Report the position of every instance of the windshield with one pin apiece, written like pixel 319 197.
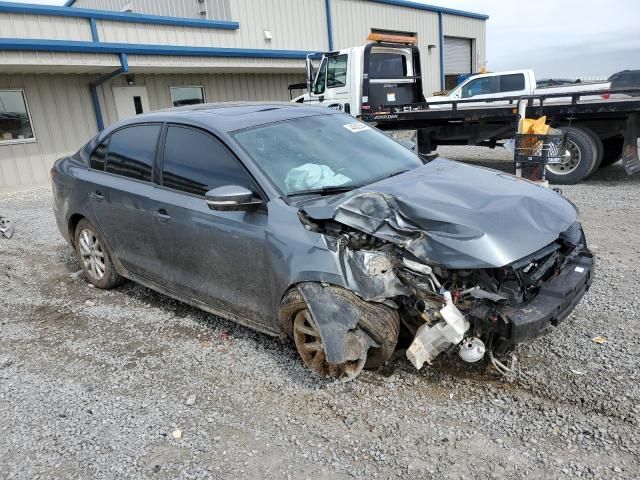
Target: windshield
pixel 324 151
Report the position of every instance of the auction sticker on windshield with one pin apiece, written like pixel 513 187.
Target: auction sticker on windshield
pixel 356 127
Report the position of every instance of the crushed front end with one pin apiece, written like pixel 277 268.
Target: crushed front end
pixel 490 309
pixel 468 268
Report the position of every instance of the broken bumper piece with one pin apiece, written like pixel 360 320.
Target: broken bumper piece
pixel 553 304
pixel 6 228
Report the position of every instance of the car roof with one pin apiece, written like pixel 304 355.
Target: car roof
pixel 230 116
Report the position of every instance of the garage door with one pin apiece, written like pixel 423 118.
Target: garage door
pixel 457 60
pixel 457 55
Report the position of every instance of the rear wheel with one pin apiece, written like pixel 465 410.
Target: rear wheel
pixel 380 322
pixel 612 151
pixel 583 157
pixel 599 148
pixel 94 257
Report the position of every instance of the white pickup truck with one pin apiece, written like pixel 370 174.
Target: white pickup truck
pixel 492 86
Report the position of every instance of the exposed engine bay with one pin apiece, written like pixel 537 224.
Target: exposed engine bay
pixel 441 307
pixel 486 308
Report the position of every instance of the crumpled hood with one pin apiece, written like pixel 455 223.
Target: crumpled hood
pixel 455 215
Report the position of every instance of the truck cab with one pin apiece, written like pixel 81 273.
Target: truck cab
pixel 368 78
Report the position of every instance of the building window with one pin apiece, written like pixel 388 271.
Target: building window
pixel 15 121
pixel 186 95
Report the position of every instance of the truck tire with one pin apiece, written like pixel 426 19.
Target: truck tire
pixel 584 155
pixel 599 148
pixel 612 151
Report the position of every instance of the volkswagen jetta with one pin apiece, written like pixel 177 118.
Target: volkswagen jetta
pixel 304 221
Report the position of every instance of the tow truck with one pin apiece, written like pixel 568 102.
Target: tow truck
pixel 381 84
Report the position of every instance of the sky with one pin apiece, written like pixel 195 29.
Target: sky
pixel 556 38
pixel 559 38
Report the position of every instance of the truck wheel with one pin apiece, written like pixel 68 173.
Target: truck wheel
pixel 599 148
pixel 612 151
pixel 380 322
pixel 583 156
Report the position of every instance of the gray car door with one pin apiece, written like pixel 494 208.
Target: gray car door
pixel 120 193
pixel 217 257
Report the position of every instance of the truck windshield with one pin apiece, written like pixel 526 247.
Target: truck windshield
pixel 324 151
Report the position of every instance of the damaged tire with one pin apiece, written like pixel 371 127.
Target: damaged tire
pixel 94 257
pixel 380 322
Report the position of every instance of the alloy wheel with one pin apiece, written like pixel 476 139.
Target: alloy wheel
pixel 311 349
pixel 92 254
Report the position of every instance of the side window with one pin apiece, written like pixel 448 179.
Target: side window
pixel 512 83
pixel 99 156
pixel 480 86
pixel 196 162
pixel 132 151
pixel 337 71
pixel 319 85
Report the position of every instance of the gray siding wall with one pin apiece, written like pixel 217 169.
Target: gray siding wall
pixel 20 25
pixel 463 27
pixel 216 9
pixel 294 25
pixel 218 88
pixel 63 120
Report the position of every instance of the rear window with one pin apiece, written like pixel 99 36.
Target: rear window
pixel 512 83
pixel 387 65
pixel 132 151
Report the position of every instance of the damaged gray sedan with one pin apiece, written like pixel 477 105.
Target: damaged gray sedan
pixel 303 221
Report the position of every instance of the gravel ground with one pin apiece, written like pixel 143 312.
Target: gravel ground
pixel 97 384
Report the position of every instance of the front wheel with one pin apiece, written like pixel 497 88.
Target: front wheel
pixel 380 322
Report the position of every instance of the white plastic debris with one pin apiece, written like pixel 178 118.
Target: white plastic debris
pixel 472 350
pixel 430 341
pixel 177 434
pixel 6 228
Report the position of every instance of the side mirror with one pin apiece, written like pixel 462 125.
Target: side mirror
pixel 231 198
pixel 310 74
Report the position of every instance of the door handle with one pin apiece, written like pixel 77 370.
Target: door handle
pixel 162 215
pixel 98 195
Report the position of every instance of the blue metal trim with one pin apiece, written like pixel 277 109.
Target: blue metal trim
pixel 124 62
pixel 327 6
pixel 134 49
pixel 69 3
pixel 96 107
pixel 441 50
pixel 94 30
pixel 10 7
pixel 432 8
pixel 93 88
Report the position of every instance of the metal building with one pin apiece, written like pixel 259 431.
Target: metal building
pixel 67 72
